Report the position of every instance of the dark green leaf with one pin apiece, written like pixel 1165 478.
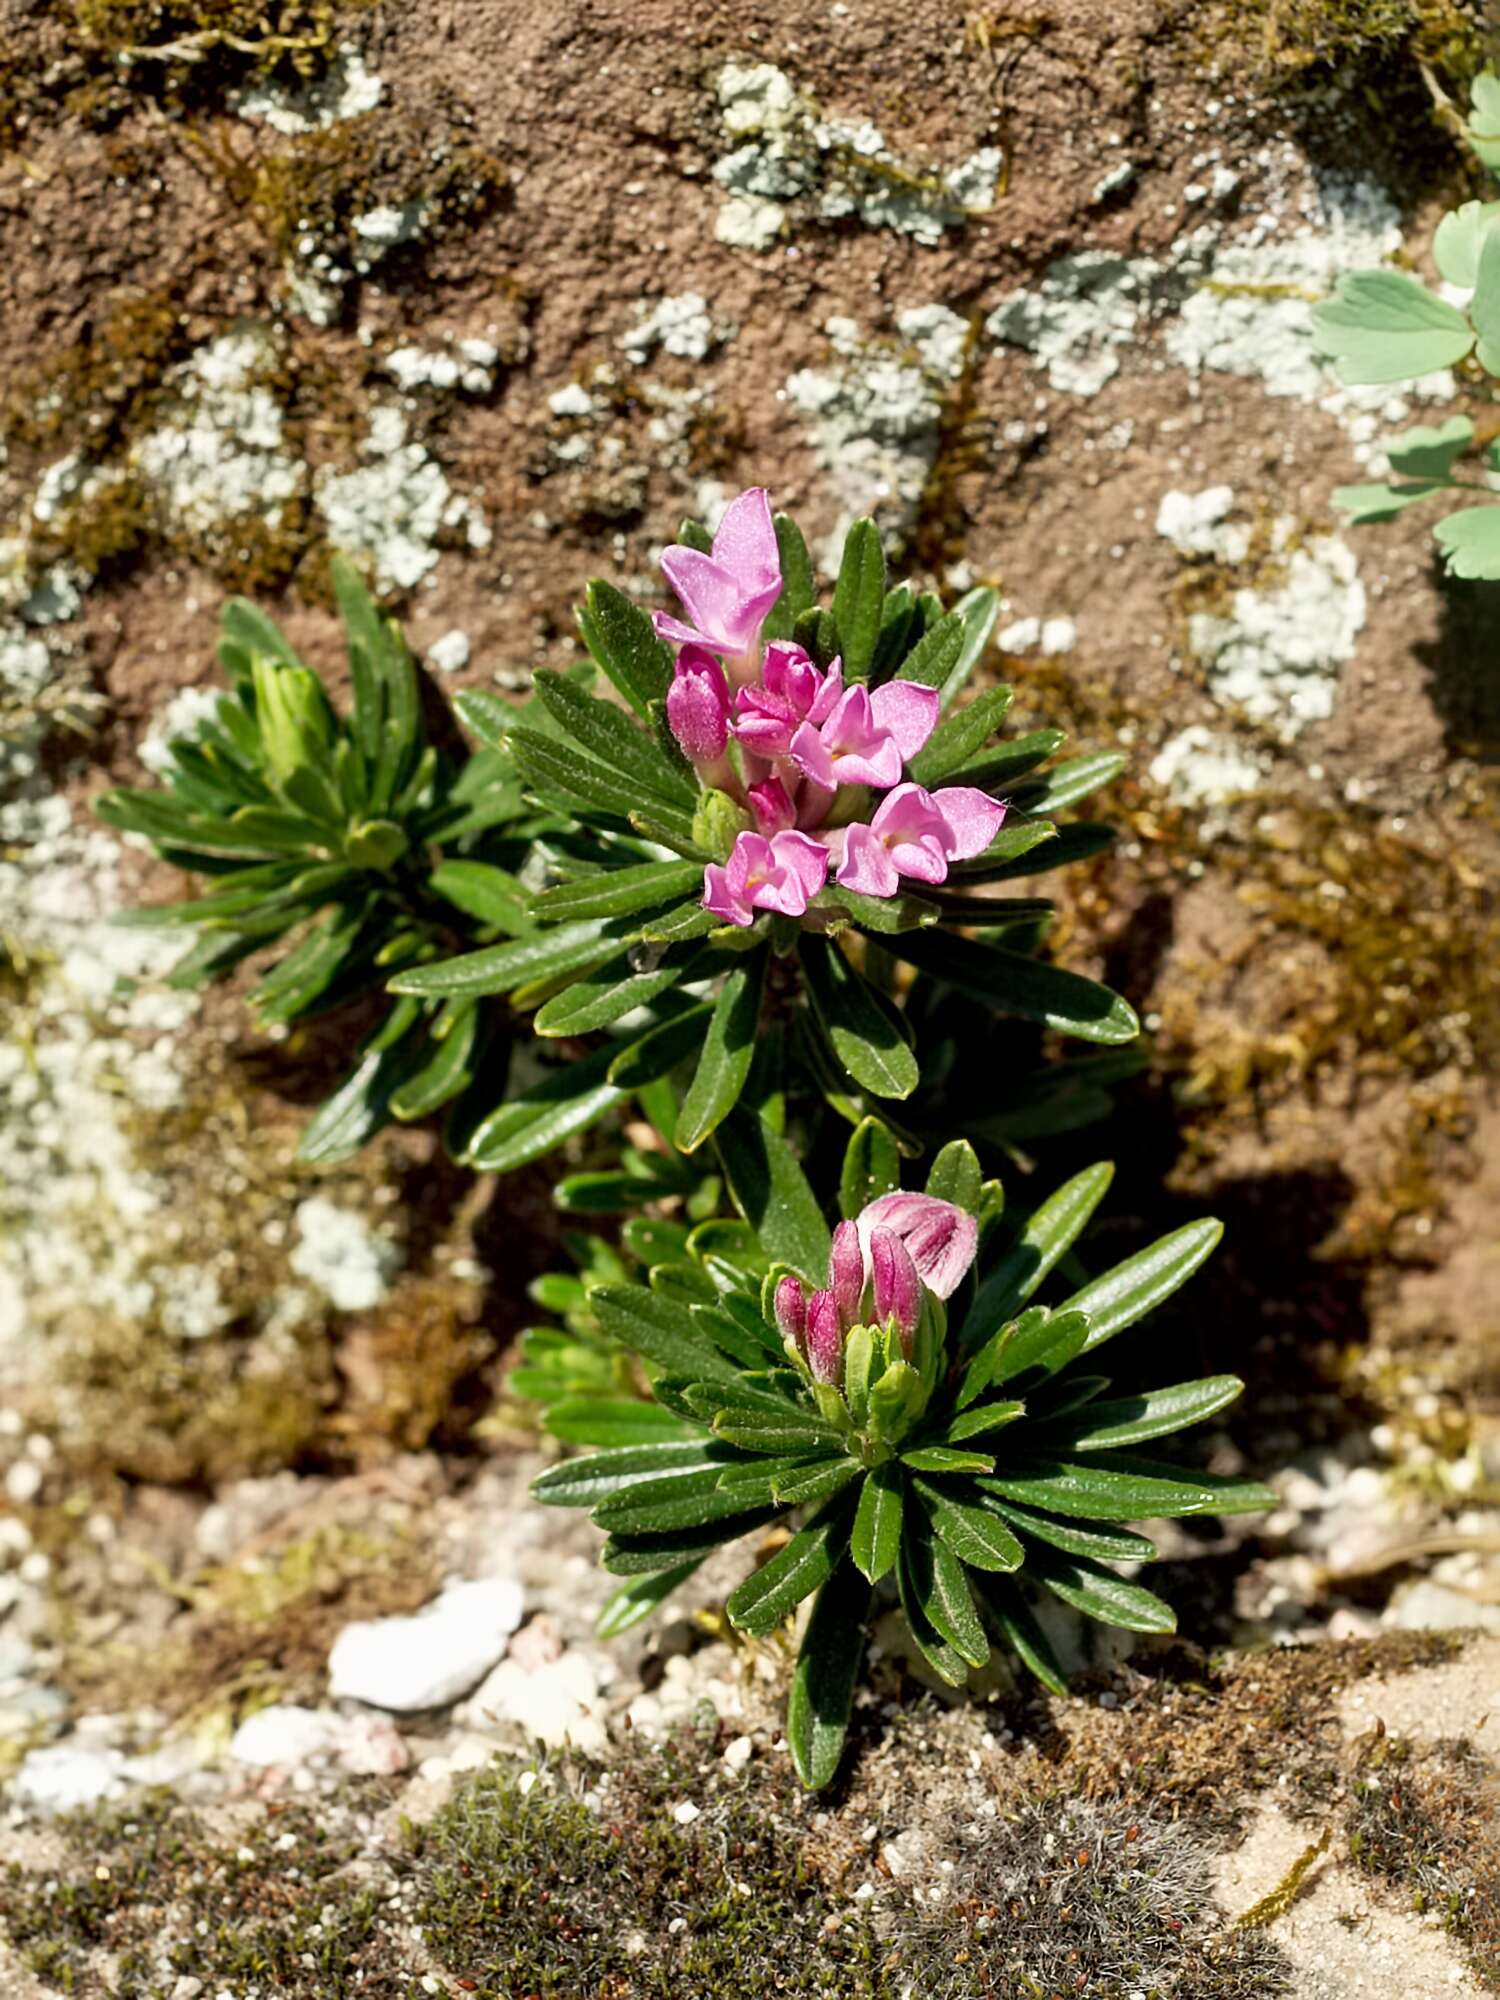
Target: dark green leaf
pixel 937 654
pixel 1002 768
pixel 606 1420
pixel 603 994
pixel 1051 1230
pixel 1135 1419
pixel 481 890
pixel 975 1535
pixel 485 715
pixel 1099 1593
pixel 619 892
pixel 1067 783
pixel 772 1592
pixel 1014 984
pixel 600 1475
pixel 859 597
pixel 822 1691
pixel 772 1193
pixel 817 1481
pixel 452 1067
pixel 868 1036
pixel 660 1051
pixel 607 734
pixel 641 1555
pixel 727 1051
pixel 1136 1287
pixel 543 1114
pixel 636 1600
pixel 666 1506
pixel 501 968
pixel 1122 1488
pixel 985 1417
pixel 797 581
pixel 1108 1544
pixel 876 1539
pixel 942 1590
pixel 663 1332
pixel 872 1167
pixel 957 738
pixel 621 638
pixel 957 1177
pixel 1017 1627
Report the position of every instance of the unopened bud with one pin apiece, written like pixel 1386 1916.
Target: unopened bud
pixel 846 1273
pixel 790 1307
pixel 698 705
pixel 898 1289
pixel 825 1339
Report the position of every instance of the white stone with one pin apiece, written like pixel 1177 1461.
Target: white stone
pixel 285 1735
pixel 1022 635
pixel 573 401
pixel 450 654
pixel 1200 767
pixel 23 1482
pixel 738 1753
pixel 556 1703
pixel 1058 635
pixel 427 1661
pixel 339 1253
pixel 62 1777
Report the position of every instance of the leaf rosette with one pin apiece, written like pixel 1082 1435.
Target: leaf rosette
pixel 918 1426
pixel 795 824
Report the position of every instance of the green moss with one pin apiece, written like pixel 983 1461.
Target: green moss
pixel 187 52
pixel 535 1893
pixel 266 1913
pixel 1422 1818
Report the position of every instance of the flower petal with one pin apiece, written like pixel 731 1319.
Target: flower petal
pixel 745 544
pixel 942 1239
pixel 710 594
pixel 867 867
pixel 972 818
pixel 908 711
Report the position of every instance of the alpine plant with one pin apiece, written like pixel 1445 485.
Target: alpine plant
pixel 337 847
pixel 785 800
pixel 901 1424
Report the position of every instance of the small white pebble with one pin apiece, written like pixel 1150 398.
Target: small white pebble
pixel 23 1482
pixel 686 1813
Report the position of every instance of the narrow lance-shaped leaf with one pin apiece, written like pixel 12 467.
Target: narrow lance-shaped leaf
pixel 727 1052
pixel 822 1691
pixel 858 598
pixel 867 1034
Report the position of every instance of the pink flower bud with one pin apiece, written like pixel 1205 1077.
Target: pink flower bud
pixel 698 705
pixel 898 1289
pixel 772 803
pixel 846 1273
pixel 825 1339
pixel 790 1306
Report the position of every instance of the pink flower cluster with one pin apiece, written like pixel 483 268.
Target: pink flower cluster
pixel 810 750
pixel 877 1269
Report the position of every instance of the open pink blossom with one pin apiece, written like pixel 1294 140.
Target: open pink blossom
pixel 698 705
pixel 783 874
pixel 867 737
pixel 941 1239
pixel 727 593
pixel 916 833
pixel 792 691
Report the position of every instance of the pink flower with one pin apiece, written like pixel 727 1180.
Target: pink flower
pixel 897 1286
pixel 868 737
pixel 916 833
pixel 698 705
pixel 942 1240
pixel 792 691
pixel 783 873
pixel 790 1307
pixel 846 1272
pixel 726 594
pixel 825 1339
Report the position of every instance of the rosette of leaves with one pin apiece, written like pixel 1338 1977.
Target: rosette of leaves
pixel 337 848
pixel 577 1375
pixel 1385 326
pixel 965 1471
pixel 625 954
